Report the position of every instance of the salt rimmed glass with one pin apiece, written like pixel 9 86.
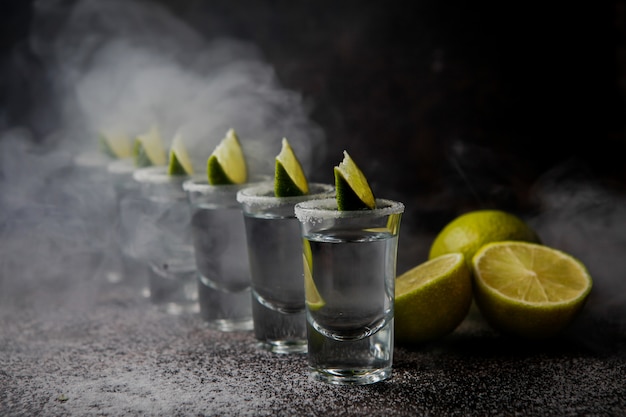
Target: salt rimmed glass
pixel 350 269
pixel 162 238
pixel 95 209
pixel 275 253
pixel 129 202
pixel 221 254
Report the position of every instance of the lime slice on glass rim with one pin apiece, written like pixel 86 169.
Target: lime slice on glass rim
pixel 148 149
pixel 115 145
pixel 289 178
pixel 179 161
pixel 227 163
pixel 353 190
pixel 527 289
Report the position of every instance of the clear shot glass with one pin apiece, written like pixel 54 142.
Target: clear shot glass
pixel 128 204
pixel 94 208
pixel 275 253
pixel 221 255
pixel 349 269
pixel 161 237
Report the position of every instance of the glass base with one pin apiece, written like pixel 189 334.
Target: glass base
pixel 283 346
pixel 350 376
pixel 230 325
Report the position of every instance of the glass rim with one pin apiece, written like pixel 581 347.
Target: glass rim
pixel 121 166
pixel 200 184
pixel 263 194
pixel 327 209
pixel 90 159
pixel 156 175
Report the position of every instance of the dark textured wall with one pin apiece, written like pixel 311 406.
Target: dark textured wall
pixel 458 105
pixel 500 93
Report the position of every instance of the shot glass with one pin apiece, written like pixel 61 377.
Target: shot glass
pixel 219 239
pixel 162 238
pixel 128 204
pixel 349 268
pixel 95 210
pixel 275 253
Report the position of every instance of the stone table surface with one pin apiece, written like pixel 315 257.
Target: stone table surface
pixel 82 347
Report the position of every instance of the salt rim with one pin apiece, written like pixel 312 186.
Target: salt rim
pixel 91 159
pixel 121 166
pixel 262 196
pixel 200 184
pixel 317 210
pixel 157 175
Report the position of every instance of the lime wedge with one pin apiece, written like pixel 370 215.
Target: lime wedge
pixel 180 163
pixel 432 299
pixel 528 289
pixel 353 190
pixel 148 149
pixel 289 178
pixel 312 296
pixel 227 164
pixel 115 145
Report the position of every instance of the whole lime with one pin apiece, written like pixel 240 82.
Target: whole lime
pixel 470 231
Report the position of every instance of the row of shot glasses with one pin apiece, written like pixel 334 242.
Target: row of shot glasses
pixel 302 275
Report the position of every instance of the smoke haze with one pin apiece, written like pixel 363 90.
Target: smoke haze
pixel 125 66
pixel 129 65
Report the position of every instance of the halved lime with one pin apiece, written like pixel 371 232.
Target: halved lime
pixel 528 289
pixel 227 164
pixel 180 163
pixel 289 178
pixel 432 299
pixel 116 145
pixel 148 149
pixel 353 190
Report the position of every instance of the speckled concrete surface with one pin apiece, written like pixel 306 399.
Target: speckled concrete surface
pixel 85 347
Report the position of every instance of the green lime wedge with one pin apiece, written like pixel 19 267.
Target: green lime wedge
pixel 353 190
pixel 148 149
pixel 115 145
pixel 289 178
pixel 312 296
pixel 179 161
pixel 227 163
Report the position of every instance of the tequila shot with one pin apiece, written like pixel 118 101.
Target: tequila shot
pixel 162 238
pixel 275 253
pixel 350 269
pixel 221 255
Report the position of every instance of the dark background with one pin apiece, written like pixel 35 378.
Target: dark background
pixel 457 105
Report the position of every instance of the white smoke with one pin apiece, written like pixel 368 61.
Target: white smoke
pixel 586 218
pixel 126 66
pixel 129 65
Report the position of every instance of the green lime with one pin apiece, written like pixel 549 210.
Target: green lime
pixel 289 178
pixel 227 164
pixel 148 149
pixel 353 190
pixel 432 299
pixel 179 161
pixel 312 296
pixel 529 290
pixel 115 145
pixel 470 231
